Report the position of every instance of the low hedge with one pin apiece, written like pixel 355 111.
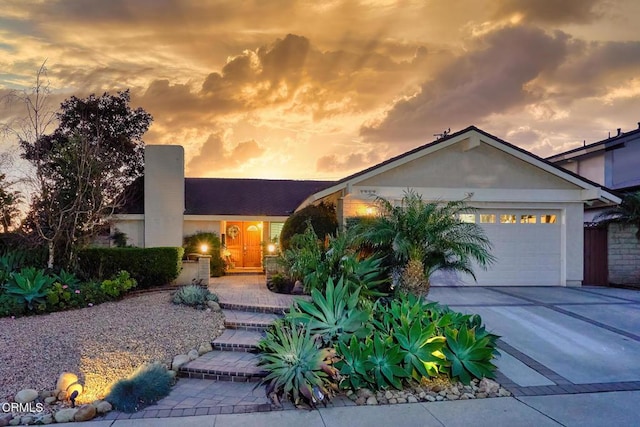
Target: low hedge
pixel 148 266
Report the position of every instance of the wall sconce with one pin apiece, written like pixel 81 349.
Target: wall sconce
pixel 271 248
pixel 204 248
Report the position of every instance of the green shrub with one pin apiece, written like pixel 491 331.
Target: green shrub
pixel 145 387
pixel 62 297
pixel 322 217
pixel 280 283
pixel 12 306
pixel 194 296
pixel 30 285
pixel 91 293
pixel 193 243
pixel 148 266
pixel 119 285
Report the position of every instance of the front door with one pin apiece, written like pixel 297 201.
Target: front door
pixel 244 243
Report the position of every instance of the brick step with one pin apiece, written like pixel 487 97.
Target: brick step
pixel 224 366
pixel 239 340
pixel 246 320
pixel 254 308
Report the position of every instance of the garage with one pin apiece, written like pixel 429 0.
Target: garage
pixel 526 243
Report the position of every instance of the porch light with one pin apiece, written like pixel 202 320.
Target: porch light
pixel 204 248
pixel 271 248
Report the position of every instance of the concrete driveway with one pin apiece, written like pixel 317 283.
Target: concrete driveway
pixel 558 340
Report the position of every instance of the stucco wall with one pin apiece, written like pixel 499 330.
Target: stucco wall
pixel 624 255
pixel 164 195
pixel 133 228
pixel 192 227
pixel 592 168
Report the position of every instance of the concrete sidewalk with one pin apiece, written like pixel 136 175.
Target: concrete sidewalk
pixel 593 409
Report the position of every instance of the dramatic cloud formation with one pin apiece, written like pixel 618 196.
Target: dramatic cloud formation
pixel 306 89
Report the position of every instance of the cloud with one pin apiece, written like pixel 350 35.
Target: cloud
pixel 491 77
pixel 551 11
pixel 215 157
pixel 345 163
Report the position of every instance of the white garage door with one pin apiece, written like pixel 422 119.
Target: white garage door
pixel 526 244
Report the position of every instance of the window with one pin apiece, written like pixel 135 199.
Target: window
pixel 275 228
pixel 507 219
pixel 487 218
pixel 527 219
pixel 468 217
pixel 548 219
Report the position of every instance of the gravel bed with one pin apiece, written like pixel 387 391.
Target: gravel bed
pixel 101 344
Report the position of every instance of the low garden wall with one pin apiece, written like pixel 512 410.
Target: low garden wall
pixel 624 255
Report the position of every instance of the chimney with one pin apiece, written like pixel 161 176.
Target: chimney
pixel 619 131
pixel 638 125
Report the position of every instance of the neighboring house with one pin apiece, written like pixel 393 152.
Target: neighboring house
pixel 531 210
pixel 612 254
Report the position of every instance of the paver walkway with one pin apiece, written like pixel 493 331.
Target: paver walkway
pixel 224 380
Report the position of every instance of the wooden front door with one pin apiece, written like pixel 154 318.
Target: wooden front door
pixel 595 256
pixel 244 242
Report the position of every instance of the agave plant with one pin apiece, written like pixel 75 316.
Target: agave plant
pixel 67 278
pixel 354 364
pixel 385 358
pixel 30 285
pixel 296 367
pixel 421 349
pixel 470 355
pixel 333 315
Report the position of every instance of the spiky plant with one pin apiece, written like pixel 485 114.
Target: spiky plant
pixel 146 386
pixel 194 296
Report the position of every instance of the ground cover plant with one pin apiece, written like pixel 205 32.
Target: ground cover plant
pixel 381 346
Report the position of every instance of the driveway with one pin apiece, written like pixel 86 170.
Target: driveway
pixel 558 340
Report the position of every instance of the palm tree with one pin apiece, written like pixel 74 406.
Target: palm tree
pixel 424 237
pixel 626 213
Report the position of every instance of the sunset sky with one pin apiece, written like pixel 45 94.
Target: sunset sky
pixel 322 89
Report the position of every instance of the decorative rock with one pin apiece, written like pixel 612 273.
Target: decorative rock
pixel 15 421
pixel 393 401
pixel 430 398
pixel 504 392
pixel 214 306
pixel 47 419
pixel 27 420
pixel 103 407
pixel 47 393
pixel 454 390
pixel 388 394
pixel 412 399
pixel 481 395
pixel 364 392
pixel 488 386
pixel 437 388
pixel 65 380
pixel 439 398
pixel 85 413
pixel 402 400
pixel 298 289
pixel 27 395
pixel 361 401
pixel 5 419
pixel 50 400
pixel 65 415
pixel 422 395
pixel 469 395
pixel 442 393
pixel 193 354
pixel 179 360
pixel 62 396
pixel 452 397
pixel 204 348
pixel 464 397
pixel 372 400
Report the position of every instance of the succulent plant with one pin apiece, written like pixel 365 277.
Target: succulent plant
pixel 194 296
pixel 146 386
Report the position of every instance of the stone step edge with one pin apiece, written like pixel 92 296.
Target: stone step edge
pixel 247 326
pixel 228 346
pixel 254 308
pixel 221 375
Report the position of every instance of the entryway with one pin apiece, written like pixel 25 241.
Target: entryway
pixel 244 243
